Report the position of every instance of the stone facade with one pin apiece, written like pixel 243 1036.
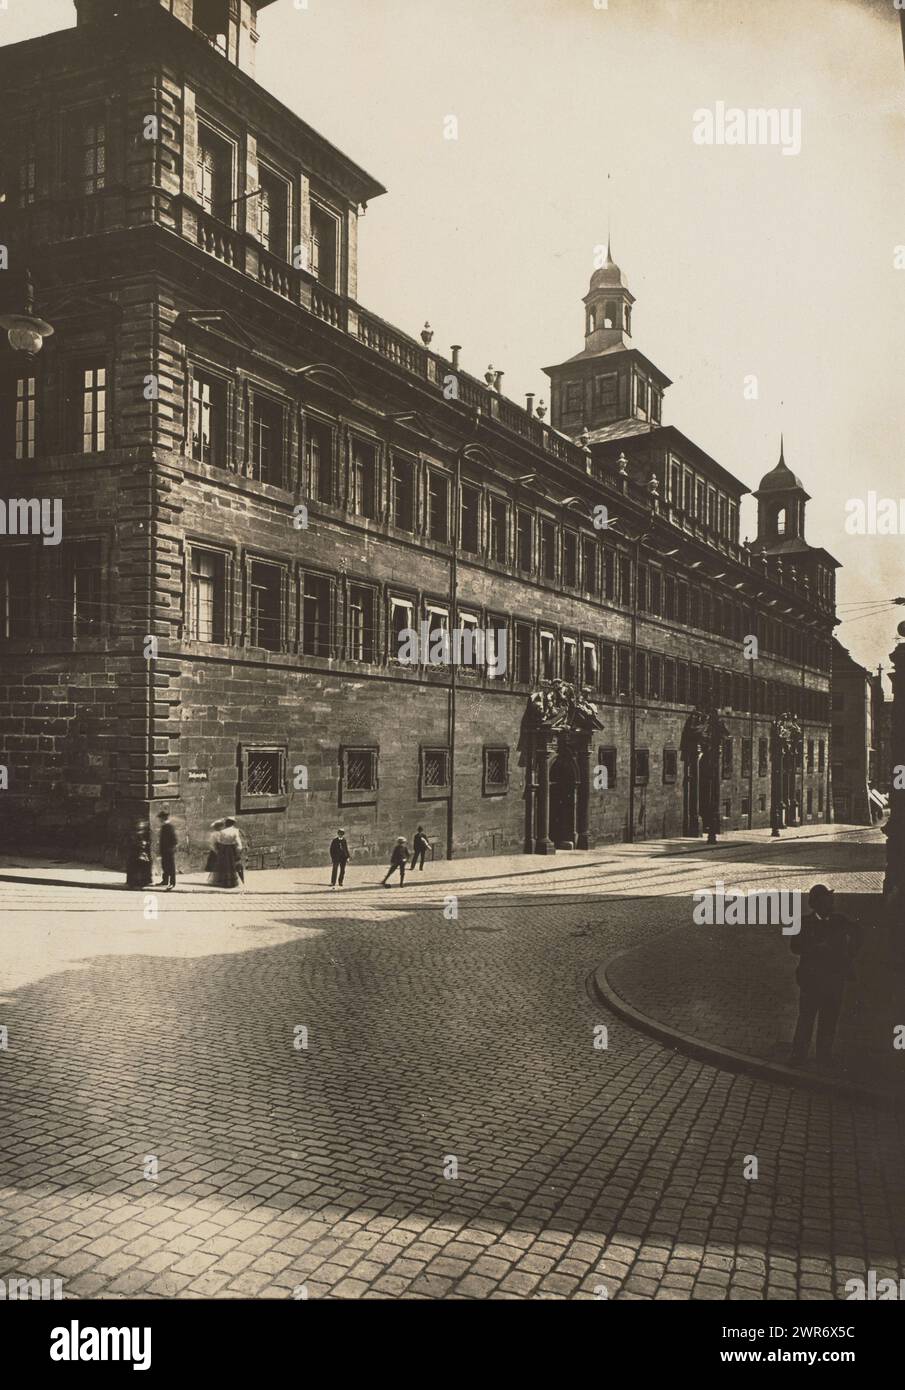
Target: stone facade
pixel 259 482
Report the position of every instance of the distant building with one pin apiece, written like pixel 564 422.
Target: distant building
pixel 265 486
pixel 860 777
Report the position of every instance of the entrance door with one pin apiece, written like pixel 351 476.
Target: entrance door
pixel 563 799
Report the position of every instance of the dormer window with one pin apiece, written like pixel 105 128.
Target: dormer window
pixel 211 18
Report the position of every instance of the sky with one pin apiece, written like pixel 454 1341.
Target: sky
pixel 745 262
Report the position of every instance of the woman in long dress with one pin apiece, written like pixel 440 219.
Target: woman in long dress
pixel 230 871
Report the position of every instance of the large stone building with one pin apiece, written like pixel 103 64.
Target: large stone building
pixel 860 771
pixel 265 485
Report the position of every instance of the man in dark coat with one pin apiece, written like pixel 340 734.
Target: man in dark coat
pixel 167 845
pixel 420 845
pixel 339 854
pixel 826 947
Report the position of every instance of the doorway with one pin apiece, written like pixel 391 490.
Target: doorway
pixel 563 801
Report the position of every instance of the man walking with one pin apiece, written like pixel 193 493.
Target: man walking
pixel 420 846
pixel 339 854
pixel 398 860
pixel 826 947
pixel 167 845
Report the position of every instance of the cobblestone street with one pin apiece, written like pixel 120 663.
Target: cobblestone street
pixel 450 1129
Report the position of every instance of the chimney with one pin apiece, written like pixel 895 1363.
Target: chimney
pixel 529 402
pixel 455 350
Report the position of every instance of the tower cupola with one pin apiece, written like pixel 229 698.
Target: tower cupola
pixel 781 501
pixel 608 308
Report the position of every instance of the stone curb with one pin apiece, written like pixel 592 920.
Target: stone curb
pixel 601 990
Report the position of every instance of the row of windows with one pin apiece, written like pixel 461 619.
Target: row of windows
pixel 84 172
pixel 361 622
pixel 264 774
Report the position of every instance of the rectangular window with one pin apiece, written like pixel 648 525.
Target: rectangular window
pixel 434 773
pixel 642 767
pixel 608 668
pixel 589 664
pixel 362 623
pixel 547 656
pixel 821 756
pixel 364 479
pixel 547 550
pixel 655 599
pixel 208 419
pixel 820 798
pixel 89 153
pixel 437 622
pixel 94 409
pixel 77 603
pixel 681 683
pixel 266 462
pixel 495 644
pixel 746 757
pixel 470 519
pixel 810 755
pixel 606 391
pixel 641 395
pixel 26 417
pixel 274 213
pixel 496 771
pixel 641 674
pixel 403 500
pixel 655 682
pixel 641 588
pixel 265 771
pixel 670 765
pixel 214 174
pixel 28 173
pixel 324 246
pixel 570 559
pixel 694 683
pixel 358 776
pixel 438 506
pixel 669 680
pixel 656 405
pixel 317 605
pixel 524 541
pixel 319 460
pixel 499 530
pixel 15 592
pixel 574 398
pixel 589 571
pixel 625 580
pixel 265 606
pixel 207 595
pixel 763 757
pixel 810 801
pixel 624 673
pixel 402 621
pixel 569 659
pixel 606 758
pixel 609 574
pixel 523 663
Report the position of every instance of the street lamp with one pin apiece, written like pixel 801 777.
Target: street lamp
pixel 26 332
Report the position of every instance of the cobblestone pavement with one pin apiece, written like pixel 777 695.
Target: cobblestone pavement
pixel 450 1130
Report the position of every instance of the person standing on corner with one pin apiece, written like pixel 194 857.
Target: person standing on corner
pixel 420 846
pixel 167 844
pixel 826 947
pixel 398 860
pixel 339 855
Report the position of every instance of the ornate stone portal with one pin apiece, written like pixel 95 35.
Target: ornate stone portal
pixel 785 754
pixel 702 741
pixel 556 742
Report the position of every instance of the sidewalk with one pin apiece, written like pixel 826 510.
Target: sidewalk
pixel 727 994
pixel 366 876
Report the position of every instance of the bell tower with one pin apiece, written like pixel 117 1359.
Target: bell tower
pixel 230 26
pixel 781 501
pixel 608 308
